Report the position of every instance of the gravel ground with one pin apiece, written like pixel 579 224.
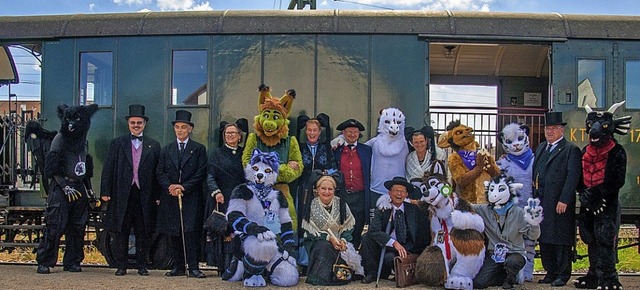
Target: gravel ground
pixel 25 277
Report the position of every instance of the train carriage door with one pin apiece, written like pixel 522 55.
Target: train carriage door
pixel 599 73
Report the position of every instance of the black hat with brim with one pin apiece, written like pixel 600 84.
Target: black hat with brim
pixel 398 180
pixel 182 116
pixel 136 111
pixel 553 118
pixel 350 123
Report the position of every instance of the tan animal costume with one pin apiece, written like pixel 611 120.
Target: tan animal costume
pixel 469 167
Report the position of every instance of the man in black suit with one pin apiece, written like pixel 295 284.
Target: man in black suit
pixel 182 169
pixel 130 186
pixel 557 169
pixel 353 159
pixel 401 227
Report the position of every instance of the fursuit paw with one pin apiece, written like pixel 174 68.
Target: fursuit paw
pixel 591 201
pixel 337 142
pixel 384 202
pixel 72 193
pixel 459 282
pixel 533 212
pixel 266 236
pixel 255 281
pixel 609 284
pixel 589 281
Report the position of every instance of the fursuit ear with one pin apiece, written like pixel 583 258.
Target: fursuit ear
pixel 514 187
pixel 61 109
pixel 444 140
pixel 486 184
pixel 501 137
pixel 525 128
pixel 92 109
pixel 264 92
pixel 255 153
pixel 287 100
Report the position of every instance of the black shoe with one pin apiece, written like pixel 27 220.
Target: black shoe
pixel 196 274
pixel 72 268
pixel 42 269
pixel 368 279
pixel 143 272
pixel 558 283
pixel 175 272
pixel 121 272
pixel 546 280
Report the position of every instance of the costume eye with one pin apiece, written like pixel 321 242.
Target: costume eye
pixel 423 188
pixel 399 122
pixel 520 138
pixel 268 170
pixel 502 188
pixel 276 117
pixel 255 168
pixel 491 187
pixel 387 122
pixel 265 116
pixel 605 126
pixel 508 141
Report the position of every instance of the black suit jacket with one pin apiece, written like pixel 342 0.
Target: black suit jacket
pixel 418 234
pixel 117 177
pixel 191 172
pixel 557 180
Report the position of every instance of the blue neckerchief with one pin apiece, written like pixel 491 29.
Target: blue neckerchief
pixel 468 158
pixel 503 210
pixel 523 160
pixel 260 189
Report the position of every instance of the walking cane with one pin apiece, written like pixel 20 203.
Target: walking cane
pixel 184 245
pixel 384 249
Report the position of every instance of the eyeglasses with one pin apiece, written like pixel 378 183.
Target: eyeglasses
pixel 398 191
pixel 231 133
pixel 136 122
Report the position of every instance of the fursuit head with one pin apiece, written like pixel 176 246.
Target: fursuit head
pixel 75 124
pixel 457 249
pixel 390 140
pixel 259 212
pixel 501 190
pixel 515 139
pixel 262 169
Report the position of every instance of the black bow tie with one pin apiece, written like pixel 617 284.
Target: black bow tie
pixel 133 137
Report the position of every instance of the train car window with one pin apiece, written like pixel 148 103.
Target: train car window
pixel 632 84
pixel 591 83
pixel 96 78
pixel 189 77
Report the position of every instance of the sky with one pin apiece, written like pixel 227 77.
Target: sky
pixel 29 69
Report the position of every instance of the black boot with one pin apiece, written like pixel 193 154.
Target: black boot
pixel 509 281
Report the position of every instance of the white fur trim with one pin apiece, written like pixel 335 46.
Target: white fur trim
pixel 467 221
pixel 285 274
pixel 261 251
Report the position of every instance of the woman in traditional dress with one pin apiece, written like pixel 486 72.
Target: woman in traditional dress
pixel 328 224
pixel 426 158
pixel 225 172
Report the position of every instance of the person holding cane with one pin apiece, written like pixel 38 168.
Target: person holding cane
pixel 182 170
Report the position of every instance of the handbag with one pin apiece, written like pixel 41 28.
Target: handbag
pixel 404 269
pixel 341 272
pixel 216 222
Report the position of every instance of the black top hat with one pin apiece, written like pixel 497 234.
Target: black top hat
pixel 183 116
pixel 553 118
pixel 350 123
pixel 136 111
pixel 398 180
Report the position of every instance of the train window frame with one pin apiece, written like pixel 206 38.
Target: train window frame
pixel 631 103
pixel 599 102
pixel 83 78
pixel 173 99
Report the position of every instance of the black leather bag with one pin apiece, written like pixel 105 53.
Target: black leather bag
pixel 216 222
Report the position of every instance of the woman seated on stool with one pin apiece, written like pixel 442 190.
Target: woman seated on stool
pixel 328 224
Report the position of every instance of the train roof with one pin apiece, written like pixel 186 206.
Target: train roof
pixel 429 24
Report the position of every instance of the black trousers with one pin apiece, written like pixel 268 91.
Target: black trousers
pixel 355 200
pixel 370 251
pixel 133 218
pixel 494 274
pixel 556 260
pixel 192 244
pixel 64 218
pixel 600 234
